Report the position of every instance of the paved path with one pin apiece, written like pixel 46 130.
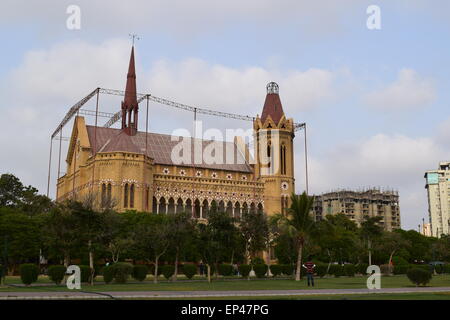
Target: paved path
pixel 202 294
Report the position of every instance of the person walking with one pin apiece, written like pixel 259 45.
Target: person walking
pixel 309 266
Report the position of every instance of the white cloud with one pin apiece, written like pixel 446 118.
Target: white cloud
pixel 394 161
pixel 408 91
pixel 39 92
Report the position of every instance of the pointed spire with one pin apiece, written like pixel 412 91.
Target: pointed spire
pixel 129 104
pixel 272 105
pixel 130 90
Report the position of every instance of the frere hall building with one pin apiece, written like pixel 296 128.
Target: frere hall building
pixel 135 170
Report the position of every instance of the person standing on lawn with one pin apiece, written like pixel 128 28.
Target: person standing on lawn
pixel 309 266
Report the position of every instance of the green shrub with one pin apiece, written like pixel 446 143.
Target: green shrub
pixel 189 270
pixel 361 268
pixel 108 273
pixel 349 270
pixel 446 268
pixel 122 271
pixel 287 269
pixel 168 270
pixel 28 273
pixel 257 260
pixel 385 269
pixel 1 271
pixel 419 276
pixel 140 272
pixel 401 268
pixel 56 273
pixel 439 268
pixel 396 260
pixel 225 270
pixel 85 273
pixel 260 270
pixel 244 270
pixel 425 267
pixel 336 270
pixel 276 269
pixel 321 269
pixel 151 269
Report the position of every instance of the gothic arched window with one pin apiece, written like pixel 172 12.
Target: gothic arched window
pixel 132 196
pixel 125 196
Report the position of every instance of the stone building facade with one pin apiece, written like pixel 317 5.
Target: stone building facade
pixel 135 170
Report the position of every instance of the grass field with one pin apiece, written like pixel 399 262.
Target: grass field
pixel 399 281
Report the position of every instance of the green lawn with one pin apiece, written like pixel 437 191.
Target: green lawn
pixel 254 284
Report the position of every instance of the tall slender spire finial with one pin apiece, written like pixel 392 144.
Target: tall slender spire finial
pixel 133 37
pixel 129 105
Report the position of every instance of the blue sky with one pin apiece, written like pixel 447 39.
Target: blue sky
pixel 376 101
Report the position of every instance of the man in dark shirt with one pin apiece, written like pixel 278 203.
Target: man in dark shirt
pixel 309 266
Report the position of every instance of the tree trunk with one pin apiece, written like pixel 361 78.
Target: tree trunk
pixel 155 277
pixel 175 274
pixel 390 261
pixel 329 263
pixel 369 246
pixel 91 263
pixel 66 259
pixel 208 268
pixel 232 257
pixel 299 262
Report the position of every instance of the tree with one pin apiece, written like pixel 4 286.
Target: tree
pixel 10 190
pixel 152 237
pixel 60 235
pixel 255 231
pixel 298 224
pixel 183 228
pixel 369 231
pixel 391 242
pixel 20 236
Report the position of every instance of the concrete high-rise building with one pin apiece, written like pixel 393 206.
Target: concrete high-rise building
pixel 357 205
pixel 438 190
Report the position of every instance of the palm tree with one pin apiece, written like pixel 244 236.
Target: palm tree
pixel 298 223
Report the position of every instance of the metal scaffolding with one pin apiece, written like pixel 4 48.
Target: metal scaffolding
pixel 114 117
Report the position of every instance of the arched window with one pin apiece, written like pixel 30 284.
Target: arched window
pixel 283 159
pixel 103 195
pixel 108 193
pixel 132 196
pixel 125 196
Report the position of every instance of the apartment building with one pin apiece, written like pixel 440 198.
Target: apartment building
pixel 357 205
pixel 438 191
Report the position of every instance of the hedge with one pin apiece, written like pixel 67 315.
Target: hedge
pixel 361 268
pixel 28 273
pixel 349 270
pixel 287 269
pixel 419 276
pixel 168 270
pixel 225 270
pixel 189 270
pixel 244 270
pixel 56 273
pixel 275 269
pixel 140 272
pixel 336 270
pixel 85 273
pixel 151 269
pixel 401 268
pixel 122 271
pixel 321 269
pixel 446 268
pixel 108 274
pixel 260 270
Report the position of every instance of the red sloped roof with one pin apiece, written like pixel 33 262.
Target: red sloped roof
pixel 160 148
pixel 272 107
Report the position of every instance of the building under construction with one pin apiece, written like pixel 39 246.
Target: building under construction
pixel 357 205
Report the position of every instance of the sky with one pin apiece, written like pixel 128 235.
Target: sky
pixel 375 101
